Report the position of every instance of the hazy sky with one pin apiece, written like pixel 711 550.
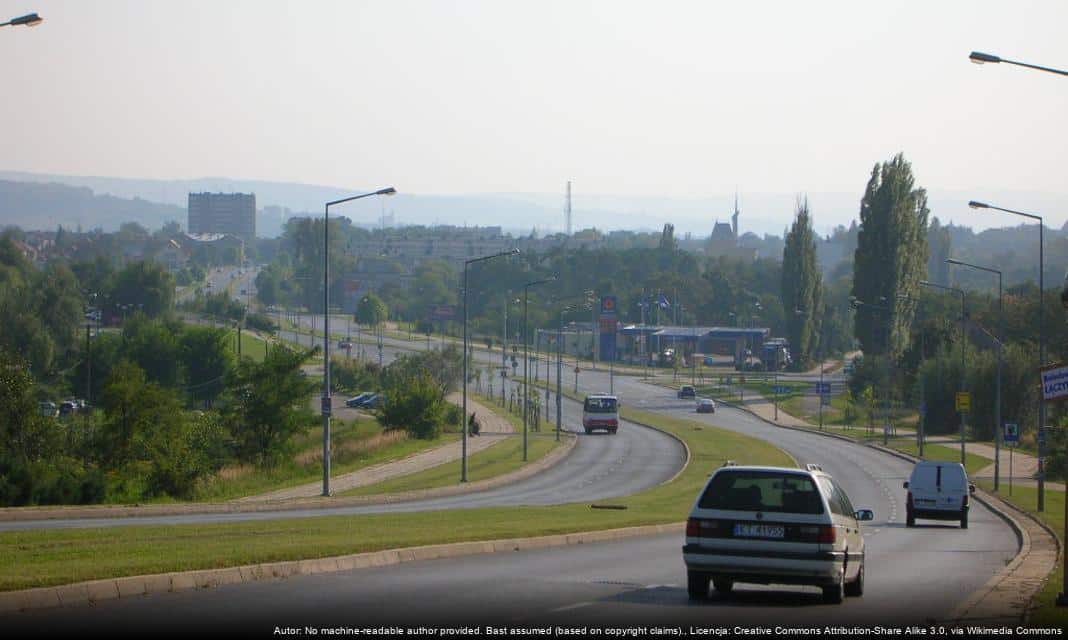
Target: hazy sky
pixel 684 99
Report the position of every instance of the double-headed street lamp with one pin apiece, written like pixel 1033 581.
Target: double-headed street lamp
pixel 979 57
pixel 463 471
pixel 962 341
pixel 1000 339
pixel 28 20
pixel 325 405
pixel 526 360
pixel 1041 341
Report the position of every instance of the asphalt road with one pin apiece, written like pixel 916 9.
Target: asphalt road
pixel 914 576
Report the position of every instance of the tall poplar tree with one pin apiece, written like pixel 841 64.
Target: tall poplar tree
pixel 891 255
pixel 802 287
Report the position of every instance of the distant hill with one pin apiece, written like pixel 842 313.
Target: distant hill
pixel 31 205
pixel 519 213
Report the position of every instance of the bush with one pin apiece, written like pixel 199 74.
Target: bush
pixel 260 322
pixel 416 407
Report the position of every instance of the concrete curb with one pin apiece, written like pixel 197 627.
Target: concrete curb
pixel 975 606
pixel 87 593
pixel 18 514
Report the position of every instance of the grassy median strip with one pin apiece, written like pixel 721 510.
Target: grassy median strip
pixel 60 556
pixel 355 445
pixel 1047 613
pixel 500 459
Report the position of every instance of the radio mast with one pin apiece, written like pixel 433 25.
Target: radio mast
pixel 568 210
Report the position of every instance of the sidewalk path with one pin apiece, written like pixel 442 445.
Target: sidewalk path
pixel 493 426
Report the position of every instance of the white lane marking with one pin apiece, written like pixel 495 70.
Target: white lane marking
pixel 577 605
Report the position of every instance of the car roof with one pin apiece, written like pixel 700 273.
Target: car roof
pixel 795 470
pixel 601 395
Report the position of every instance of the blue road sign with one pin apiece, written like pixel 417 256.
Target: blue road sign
pixel 1012 433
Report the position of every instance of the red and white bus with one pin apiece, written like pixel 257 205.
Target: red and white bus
pixel 600 411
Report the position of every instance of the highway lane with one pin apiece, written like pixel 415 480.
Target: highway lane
pixel 913 576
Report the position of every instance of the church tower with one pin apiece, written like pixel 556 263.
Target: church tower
pixel 734 218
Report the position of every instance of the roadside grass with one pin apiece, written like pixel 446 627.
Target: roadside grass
pixel 354 445
pixel 500 459
pixel 942 453
pixel 503 457
pixel 61 556
pixel 1047 613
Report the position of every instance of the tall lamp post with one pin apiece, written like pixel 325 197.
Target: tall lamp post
pixel 463 384
pixel 979 57
pixel 28 20
pixel 963 340
pixel 325 405
pixel 1041 342
pixel 1001 340
pixel 526 359
pixel 1062 597
pixel 889 311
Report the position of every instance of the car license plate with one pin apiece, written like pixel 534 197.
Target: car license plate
pixel 758 531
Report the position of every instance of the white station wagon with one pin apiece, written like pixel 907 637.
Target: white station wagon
pixel 775 525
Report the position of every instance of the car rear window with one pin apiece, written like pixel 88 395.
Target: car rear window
pixel 600 405
pixel 762 491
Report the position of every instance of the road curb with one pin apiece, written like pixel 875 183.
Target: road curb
pixel 998 591
pixel 90 592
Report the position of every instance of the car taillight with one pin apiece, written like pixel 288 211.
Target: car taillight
pixel 693 528
pixel 827 535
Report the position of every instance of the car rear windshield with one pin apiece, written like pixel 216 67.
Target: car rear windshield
pixel 762 491
pixel 600 405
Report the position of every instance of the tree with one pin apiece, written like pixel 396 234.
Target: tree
pixel 802 287
pixel 145 285
pixel 941 247
pixel 267 405
pixel 206 360
pixel 416 407
pixel 891 255
pixel 134 409
pixel 371 310
pixel 24 434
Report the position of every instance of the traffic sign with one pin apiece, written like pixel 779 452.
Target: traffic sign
pixel 1012 433
pixel 1054 383
pixel 964 401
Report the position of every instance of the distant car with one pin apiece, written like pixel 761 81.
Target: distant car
pixel 709 361
pixel 687 391
pixel 68 407
pixel 344 344
pixel 938 491
pixel 775 525
pixel 706 405
pixel 48 409
pixel 358 401
pixel 374 401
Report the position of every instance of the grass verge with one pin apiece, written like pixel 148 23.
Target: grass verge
pixel 1047 613
pixel 57 556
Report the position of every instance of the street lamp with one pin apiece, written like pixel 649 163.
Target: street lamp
pixel 982 58
pixel 325 405
pixel 28 20
pixel 1001 338
pixel 889 311
pixel 463 472
pixel 962 344
pixel 526 360
pixel 1041 342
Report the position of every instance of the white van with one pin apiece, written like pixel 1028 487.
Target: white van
pixel 938 491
